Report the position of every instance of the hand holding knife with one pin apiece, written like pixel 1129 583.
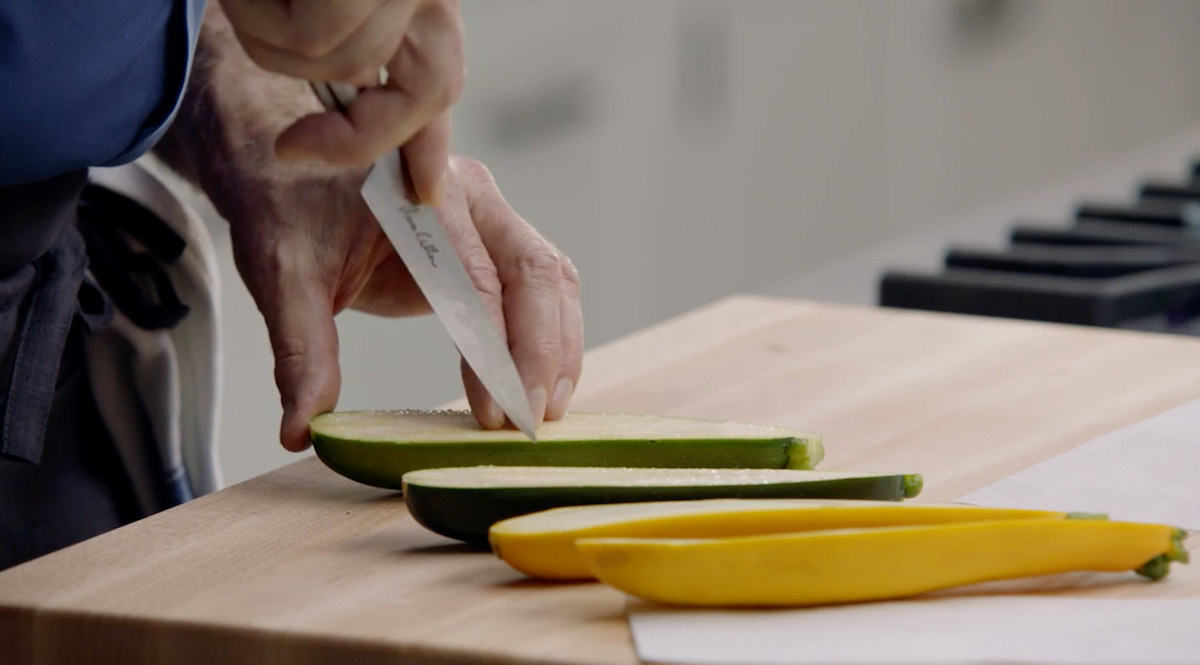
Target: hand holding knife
pixel 424 247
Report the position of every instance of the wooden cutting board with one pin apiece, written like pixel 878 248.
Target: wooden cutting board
pixel 303 566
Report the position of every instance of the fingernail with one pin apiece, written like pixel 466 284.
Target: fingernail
pixel 537 403
pixel 561 398
pixel 288 149
pixel 293 154
pixel 438 193
pixel 496 414
pixel 292 441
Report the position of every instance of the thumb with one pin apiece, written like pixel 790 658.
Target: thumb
pixel 428 156
pixel 299 318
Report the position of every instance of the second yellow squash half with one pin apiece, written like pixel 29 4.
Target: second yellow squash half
pixel 861 564
pixel 543 544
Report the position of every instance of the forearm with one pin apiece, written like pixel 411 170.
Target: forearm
pixel 231 114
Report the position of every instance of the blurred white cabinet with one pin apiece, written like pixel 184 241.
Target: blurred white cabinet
pixel 680 150
pixel 672 148
pixel 570 114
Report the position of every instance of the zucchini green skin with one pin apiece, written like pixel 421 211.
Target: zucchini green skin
pixel 467 514
pixel 383 463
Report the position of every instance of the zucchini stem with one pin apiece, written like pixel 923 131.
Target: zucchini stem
pixel 913 483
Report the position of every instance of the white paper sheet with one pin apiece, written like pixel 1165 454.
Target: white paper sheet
pixel 1146 472
pixel 986 629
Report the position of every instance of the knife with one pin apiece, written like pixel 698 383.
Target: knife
pixel 421 241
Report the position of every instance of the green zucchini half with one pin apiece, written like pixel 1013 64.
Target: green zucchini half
pixel 378 447
pixel 463 503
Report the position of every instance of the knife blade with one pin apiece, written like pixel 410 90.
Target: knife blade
pixel 422 243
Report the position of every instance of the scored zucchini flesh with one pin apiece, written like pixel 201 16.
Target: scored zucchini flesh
pixel 853 565
pixel 378 447
pixel 463 503
pixel 500 477
pixel 543 544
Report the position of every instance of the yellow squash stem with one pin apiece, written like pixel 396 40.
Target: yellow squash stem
pixel 851 565
pixel 542 544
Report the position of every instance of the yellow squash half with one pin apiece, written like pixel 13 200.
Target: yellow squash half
pixel 543 544
pixel 861 564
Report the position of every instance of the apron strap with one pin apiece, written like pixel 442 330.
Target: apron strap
pixel 53 302
pixel 109 227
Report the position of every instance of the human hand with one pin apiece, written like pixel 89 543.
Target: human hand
pixel 419 42
pixel 308 247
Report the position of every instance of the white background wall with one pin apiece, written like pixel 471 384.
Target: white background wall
pixel 682 150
